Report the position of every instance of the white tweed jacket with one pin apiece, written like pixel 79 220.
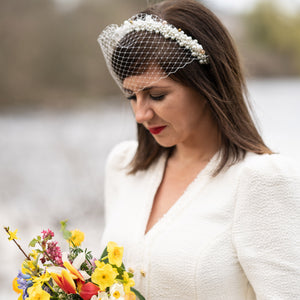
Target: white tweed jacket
pixel 235 236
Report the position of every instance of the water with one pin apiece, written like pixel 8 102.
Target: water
pixel 52 164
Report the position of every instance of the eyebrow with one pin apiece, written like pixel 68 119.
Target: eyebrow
pixel 146 88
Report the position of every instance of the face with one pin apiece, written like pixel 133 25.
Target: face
pixel 173 113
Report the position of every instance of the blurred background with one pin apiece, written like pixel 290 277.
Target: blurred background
pixel 61 113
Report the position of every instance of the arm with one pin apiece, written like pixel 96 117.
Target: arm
pixel 266 230
pixel 116 169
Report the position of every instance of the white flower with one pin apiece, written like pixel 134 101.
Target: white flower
pixel 101 296
pixel 117 291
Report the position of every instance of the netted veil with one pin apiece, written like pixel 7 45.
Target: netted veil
pixel 149 46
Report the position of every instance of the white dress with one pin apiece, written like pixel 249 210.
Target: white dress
pixel 235 236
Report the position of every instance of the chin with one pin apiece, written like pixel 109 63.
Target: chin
pixel 165 143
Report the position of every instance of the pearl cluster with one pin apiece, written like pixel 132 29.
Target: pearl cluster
pixel 144 22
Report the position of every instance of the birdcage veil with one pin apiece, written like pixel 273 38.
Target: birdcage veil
pixel 149 46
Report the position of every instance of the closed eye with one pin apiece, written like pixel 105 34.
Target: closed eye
pixel 157 98
pixel 153 97
pixel 132 97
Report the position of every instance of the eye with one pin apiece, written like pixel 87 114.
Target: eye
pixel 131 97
pixel 157 97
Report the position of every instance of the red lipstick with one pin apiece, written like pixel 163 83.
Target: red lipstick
pixel 157 130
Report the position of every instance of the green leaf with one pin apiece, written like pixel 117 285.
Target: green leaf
pixel 104 253
pixel 138 294
pixel 63 228
pixel 33 243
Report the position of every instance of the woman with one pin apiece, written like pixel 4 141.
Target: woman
pixel 200 203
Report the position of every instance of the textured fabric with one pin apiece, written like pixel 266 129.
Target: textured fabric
pixel 230 237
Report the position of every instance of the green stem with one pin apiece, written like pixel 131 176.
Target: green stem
pixel 50 287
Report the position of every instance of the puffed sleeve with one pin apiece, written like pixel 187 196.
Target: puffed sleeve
pixel 116 168
pixel 266 229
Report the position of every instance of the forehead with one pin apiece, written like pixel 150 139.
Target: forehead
pixel 139 82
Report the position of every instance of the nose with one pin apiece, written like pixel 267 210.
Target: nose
pixel 142 110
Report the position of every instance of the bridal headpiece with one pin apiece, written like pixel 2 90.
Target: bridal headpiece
pixel 147 45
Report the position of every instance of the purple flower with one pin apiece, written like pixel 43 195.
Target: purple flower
pixel 24 283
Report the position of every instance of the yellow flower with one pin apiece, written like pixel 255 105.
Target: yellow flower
pixel 104 275
pixel 36 292
pixel 77 238
pixel 41 279
pixel 34 254
pixel 130 296
pixel 128 282
pixel 99 264
pixel 115 254
pixel 12 235
pixel 28 267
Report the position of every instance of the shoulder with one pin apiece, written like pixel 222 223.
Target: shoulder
pixel 269 182
pixel 269 167
pixel 121 155
pixel 116 173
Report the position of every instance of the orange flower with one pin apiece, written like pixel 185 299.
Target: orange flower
pixel 88 290
pixel 65 281
pixel 74 272
pixel 130 296
pixel 17 289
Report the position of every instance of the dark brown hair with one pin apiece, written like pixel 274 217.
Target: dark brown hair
pixel 221 83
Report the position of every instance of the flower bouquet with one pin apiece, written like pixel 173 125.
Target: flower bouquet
pixel 48 273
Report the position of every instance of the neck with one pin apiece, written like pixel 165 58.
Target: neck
pixel 201 148
pixel 190 155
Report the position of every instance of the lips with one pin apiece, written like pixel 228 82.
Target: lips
pixel 157 130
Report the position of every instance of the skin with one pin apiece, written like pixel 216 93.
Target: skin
pixel 190 127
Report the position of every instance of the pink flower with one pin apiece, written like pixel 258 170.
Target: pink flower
pixel 47 235
pixel 54 253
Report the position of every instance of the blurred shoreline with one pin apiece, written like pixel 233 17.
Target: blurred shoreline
pixel 75 104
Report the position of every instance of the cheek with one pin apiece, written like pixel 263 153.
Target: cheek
pixel 193 116
pixel 133 107
pixel 198 110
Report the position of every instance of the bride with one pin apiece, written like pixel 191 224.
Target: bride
pixel 202 206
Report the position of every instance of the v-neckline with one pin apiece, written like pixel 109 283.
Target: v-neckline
pixel 157 176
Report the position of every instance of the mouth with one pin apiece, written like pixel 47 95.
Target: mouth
pixel 157 130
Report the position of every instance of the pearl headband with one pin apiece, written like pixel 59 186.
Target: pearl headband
pixel 154 24
pixel 142 45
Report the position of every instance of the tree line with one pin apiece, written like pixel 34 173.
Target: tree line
pixel 50 56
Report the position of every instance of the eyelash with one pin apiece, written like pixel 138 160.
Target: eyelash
pixel 155 98
pixel 132 97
